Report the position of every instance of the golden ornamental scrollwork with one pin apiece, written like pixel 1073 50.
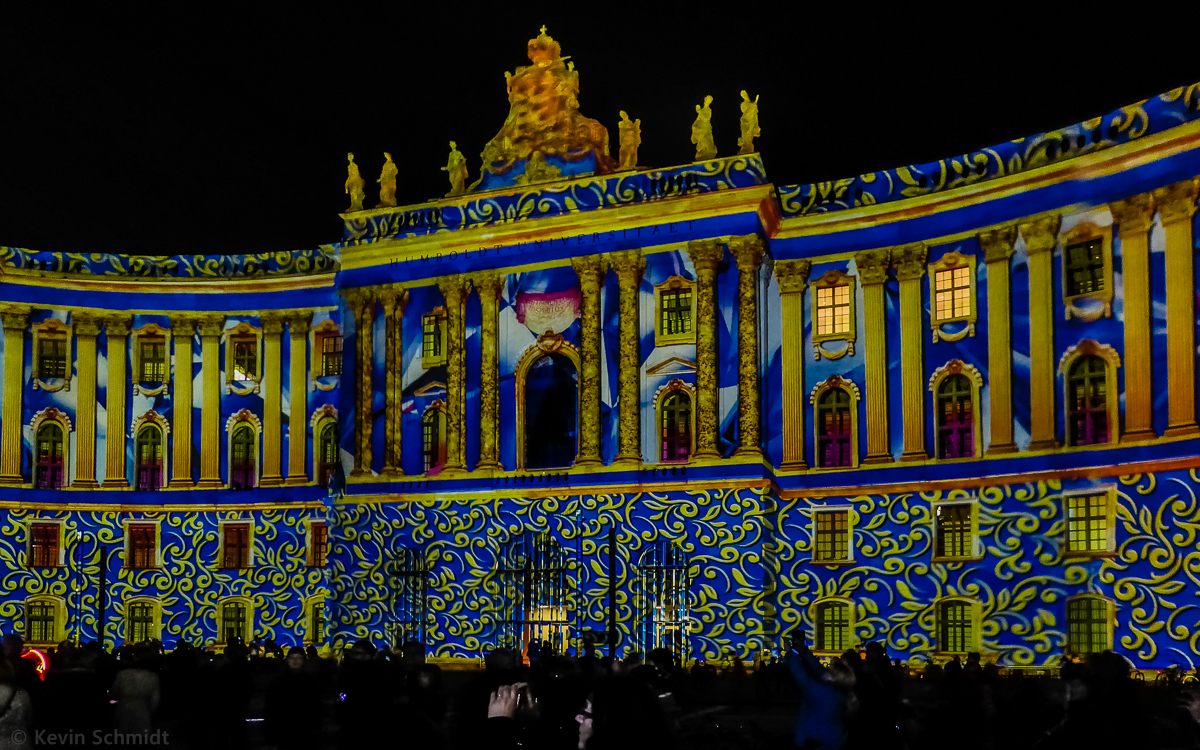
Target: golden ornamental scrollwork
pixel 1177 200
pixel 1041 234
pixel 152 417
pixel 998 244
pixel 792 275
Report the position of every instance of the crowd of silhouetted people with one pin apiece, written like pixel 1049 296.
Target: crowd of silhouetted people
pixel 264 695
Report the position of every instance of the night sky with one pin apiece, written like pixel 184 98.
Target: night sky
pixel 180 132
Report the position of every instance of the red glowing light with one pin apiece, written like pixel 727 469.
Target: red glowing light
pixel 34 655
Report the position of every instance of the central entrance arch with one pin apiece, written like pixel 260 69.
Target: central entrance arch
pixel 548 406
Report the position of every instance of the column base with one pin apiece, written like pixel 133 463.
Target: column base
pixel 210 484
pixel 1139 436
pixel 181 484
pixel 109 484
pixel 754 452
pixel 85 484
pixel 1000 449
pixel 1044 445
pixel 296 480
pixel 908 456
pixel 453 472
pixel 707 455
pixel 273 481
pixel 878 458
pixel 489 465
pixel 800 465
pixel 1183 430
pixel 358 473
pixel 630 460
pixel 9 479
pixel 588 463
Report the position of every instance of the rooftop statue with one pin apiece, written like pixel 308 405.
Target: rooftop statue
pixel 456 165
pixel 544 116
pixel 702 134
pixel 631 138
pixel 387 183
pixel 750 129
pixel 354 185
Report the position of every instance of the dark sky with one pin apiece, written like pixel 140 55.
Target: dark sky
pixel 168 132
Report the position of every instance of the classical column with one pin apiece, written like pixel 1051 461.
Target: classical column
pixel 298 326
pixel 86 329
pixel 591 270
pixel 489 285
pixel 183 331
pixel 1041 236
pixel 362 302
pixel 705 256
pixel 272 471
pixel 16 320
pixel 793 279
pixel 629 265
pixel 117 332
pixel 997 248
pixel 455 290
pixel 1134 218
pixel 748 252
pixel 872 273
pixel 211 327
pixel 394 300
pixel 909 261
pixel 1176 204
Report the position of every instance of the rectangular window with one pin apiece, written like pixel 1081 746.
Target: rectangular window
pixel 954 530
pixel 141 622
pixel 431 339
pixel 245 360
pixel 833 626
pixel 43 545
pixel 1087 523
pixel 317 631
pixel 39 622
pixel 141 546
pixel 1087 620
pixel 955 631
pixel 952 293
pixel 154 360
pixel 52 358
pixel 237 546
pixel 833 310
pixel 833 536
pixel 331 355
pixel 1085 267
pixel 233 622
pixel 675 314
pixel 319 541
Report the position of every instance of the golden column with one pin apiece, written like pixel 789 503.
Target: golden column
pixel 629 265
pixel 591 270
pixel 489 285
pixel 748 252
pixel 272 472
pixel 298 326
pixel 211 327
pixel 872 273
pixel 705 256
pixel 362 303
pixel 1134 217
pixel 910 269
pixel 86 328
pixel 117 331
pixel 997 248
pixel 394 300
pixel 1041 236
pixel 1176 204
pixel 793 279
pixel 183 331
pixel 455 290
pixel 16 320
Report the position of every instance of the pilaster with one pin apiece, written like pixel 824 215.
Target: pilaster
pixel 1176 205
pixel 362 302
pixel 591 270
pixel 86 331
pixel 793 280
pixel 455 290
pixel 183 331
pixel 1041 237
pixel 394 300
pixel 706 255
pixel 909 261
pixel 117 332
pixel 629 266
pixel 211 327
pixel 272 475
pixel 872 274
pixel 1134 217
pixel 997 246
pixel 16 321
pixel 298 327
pixel 489 285
pixel 748 252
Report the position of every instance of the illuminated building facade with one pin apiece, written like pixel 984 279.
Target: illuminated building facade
pixel 950 406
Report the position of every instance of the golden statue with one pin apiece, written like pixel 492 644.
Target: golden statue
pixel 544 114
pixel 457 168
pixel 387 183
pixel 702 134
pixel 750 129
pixel 537 170
pixel 631 138
pixel 354 185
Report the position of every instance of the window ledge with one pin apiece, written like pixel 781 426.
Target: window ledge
pixel 832 563
pixel 973 558
pixel 1089 555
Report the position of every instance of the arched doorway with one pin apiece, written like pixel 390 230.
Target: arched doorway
pixel 551 412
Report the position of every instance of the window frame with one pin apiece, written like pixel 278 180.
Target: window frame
pixel 61 553
pixel 814 612
pixel 58 608
pixel 674 284
pixel 232 426
pixel 1109 491
pixel 150 333
pixel 1079 234
pixel 312 605
pixel 323 419
pixel 316 337
pixel 151 420
pixel 950 262
pixel 436 410
pixel 835 381
pixel 64 440
pixel 1112 360
pixel 1110 617
pixel 128 542
pixel 831 279
pixel 975 377
pixel 976 623
pixel 221 526
pixel 815 531
pixel 243 333
pixel 52 329
pixel 674 386
pixel 155 616
pixel 977 550
pixel 248 604
pixel 310 540
pixel 440 321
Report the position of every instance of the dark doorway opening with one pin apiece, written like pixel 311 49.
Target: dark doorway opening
pixel 551 413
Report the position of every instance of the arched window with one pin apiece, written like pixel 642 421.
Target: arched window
pixel 148 456
pixel 833 625
pixel 834 429
pixel 1088 625
pixel 955 418
pixel 662 599
pixel 1087 401
pixel 433 439
pixel 534 582
pixel 44 620
pixel 675 423
pixel 242 454
pixel 551 401
pixel 141 622
pixel 48 474
pixel 328 456
pixel 236 620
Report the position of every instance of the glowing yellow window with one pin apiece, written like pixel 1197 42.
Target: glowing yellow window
pixel 952 293
pixel 833 310
pixel 1088 522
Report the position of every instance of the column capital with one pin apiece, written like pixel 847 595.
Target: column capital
pixel 15 317
pixel 590 269
pixel 1133 214
pixel 211 325
pixel 489 284
pixel 872 266
pixel 1177 200
pixel 910 260
pixel 629 265
pixel 299 323
pixel 1041 234
pixel 747 250
pixel 358 297
pixel 997 244
pixel 394 297
pixel 183 326
pixel 455 289
pixel 272 322
pixel 792 275
pixel 86 325
pixel 118 326
pixel 706 254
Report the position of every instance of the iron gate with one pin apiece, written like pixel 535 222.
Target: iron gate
pixel 533 570
pixel 409 577
pixel 661 597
